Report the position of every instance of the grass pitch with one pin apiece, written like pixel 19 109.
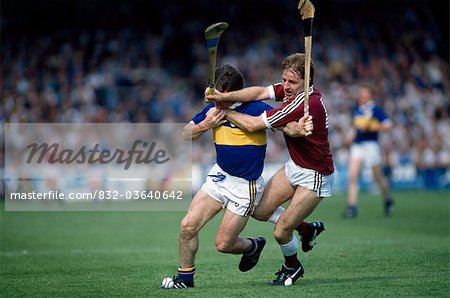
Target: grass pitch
pixel 127 254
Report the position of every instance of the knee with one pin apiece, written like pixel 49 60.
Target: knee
pixel 281 234
pixel 223 245
pixel 188 228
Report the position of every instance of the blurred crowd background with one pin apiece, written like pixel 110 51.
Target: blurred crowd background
pixel 146 61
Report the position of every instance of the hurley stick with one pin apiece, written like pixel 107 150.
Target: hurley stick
pixel 212 35
pixel 307 13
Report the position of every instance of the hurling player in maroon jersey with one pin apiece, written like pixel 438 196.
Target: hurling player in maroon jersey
pixel 307 177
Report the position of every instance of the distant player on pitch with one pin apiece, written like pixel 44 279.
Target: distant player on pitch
pixel 369 120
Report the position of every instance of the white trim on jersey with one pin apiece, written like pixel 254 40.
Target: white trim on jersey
pixel 264 119
pixel 327 120
pixel 271 92
pixel 280 114
pixel 235 105
pixel 289 108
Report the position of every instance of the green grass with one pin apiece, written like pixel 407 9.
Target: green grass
pixel 126 254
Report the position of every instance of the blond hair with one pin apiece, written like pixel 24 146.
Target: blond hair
pixel 296 63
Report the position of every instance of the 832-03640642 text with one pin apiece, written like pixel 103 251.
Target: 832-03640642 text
pixel 100 195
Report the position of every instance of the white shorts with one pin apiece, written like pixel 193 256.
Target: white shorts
pixel 369 152
pixel 240 196
pixel 309 179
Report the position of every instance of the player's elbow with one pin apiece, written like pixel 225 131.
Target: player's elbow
pixel 187 133
pixel 190 137
pixel 386 127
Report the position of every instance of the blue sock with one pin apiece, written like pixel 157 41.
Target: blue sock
pixel 186 273
pixel 252 248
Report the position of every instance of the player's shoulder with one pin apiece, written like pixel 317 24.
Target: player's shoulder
pixel 316 92
pixel 255 104
pixel 254 108
pixel 203 112
pixel 277 85
pixel 208 107
pixel 315 97
pixel 379 110
pixel 377 107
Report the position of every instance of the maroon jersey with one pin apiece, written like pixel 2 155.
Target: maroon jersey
pixel 312 152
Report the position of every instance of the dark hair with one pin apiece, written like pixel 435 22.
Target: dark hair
pixel 296 62
pixel 228 78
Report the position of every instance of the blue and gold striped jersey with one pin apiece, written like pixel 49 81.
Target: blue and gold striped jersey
pixel 367 116
pixel 239 153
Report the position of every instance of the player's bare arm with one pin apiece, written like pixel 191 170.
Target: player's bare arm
pixel 381 127
pixel 350 137
pixel 243 95
pixel 214 117
pixel 303 127
pixel 255 123
pixel 246 122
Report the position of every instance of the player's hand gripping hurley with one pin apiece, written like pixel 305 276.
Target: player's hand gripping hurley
pixel 212 35
pixel 307 11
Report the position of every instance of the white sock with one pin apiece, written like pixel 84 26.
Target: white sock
pixel 291 247
pixel 276 215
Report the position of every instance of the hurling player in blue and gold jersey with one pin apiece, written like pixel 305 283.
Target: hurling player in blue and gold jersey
pixel 233 183
pixel 369 120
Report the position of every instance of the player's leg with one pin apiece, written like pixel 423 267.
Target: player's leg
pixel 354 167
pixel 242 196
pixel 277 191
pixel 381 180
pixel 311 187
pixel 383 183
pixel 201 210
pixel 302 204
pixel 228 239
pixel 375 161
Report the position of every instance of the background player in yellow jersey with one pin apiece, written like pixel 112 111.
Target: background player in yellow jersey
pixel 368 120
